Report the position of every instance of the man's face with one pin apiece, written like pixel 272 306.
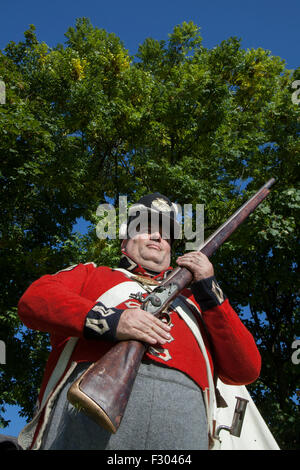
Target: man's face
pixel 149 249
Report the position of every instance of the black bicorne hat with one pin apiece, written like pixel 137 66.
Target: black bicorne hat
pixel 153 208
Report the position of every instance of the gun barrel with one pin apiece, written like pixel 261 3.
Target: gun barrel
pixel 182 275
pixel 227 228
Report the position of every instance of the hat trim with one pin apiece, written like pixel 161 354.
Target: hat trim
pixel 141 207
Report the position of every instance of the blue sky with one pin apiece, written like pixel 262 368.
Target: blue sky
pixel 272 25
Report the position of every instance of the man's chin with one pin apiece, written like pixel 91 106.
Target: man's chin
pixel 153 265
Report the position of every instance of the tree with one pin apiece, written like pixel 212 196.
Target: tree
pixel 84 123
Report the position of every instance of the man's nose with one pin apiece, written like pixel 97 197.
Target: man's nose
pixel 155 236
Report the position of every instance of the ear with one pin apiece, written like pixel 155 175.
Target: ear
pixel 123 244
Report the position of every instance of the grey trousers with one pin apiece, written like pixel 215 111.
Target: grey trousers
pixel 165 412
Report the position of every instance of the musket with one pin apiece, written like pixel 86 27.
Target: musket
pixel 103 390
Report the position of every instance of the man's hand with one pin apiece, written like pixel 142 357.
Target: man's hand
pixel 197 263
pixel 140 325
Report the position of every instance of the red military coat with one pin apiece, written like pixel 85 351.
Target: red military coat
pixel 59 304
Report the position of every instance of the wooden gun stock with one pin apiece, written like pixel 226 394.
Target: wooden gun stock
pixel 103 391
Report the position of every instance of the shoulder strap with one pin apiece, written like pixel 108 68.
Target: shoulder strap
pixel 210 401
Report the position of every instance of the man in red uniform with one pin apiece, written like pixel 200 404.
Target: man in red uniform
pixel 87 309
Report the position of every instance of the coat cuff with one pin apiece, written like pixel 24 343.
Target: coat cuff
pixel 101 322
pixel 208 293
